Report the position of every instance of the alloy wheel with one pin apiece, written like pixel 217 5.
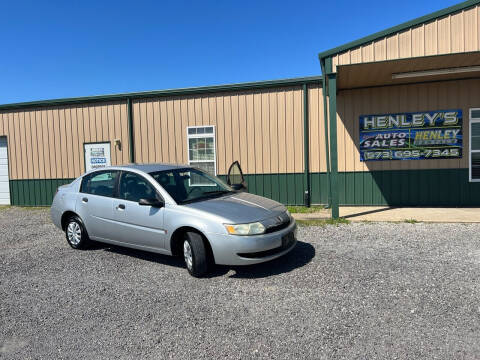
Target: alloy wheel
pixel 187 254
pixel 74 233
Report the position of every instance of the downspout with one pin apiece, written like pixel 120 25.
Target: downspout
pixel 306 146
pixel 130 130
pixel 325 119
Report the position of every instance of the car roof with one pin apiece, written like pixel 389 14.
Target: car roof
pixel 148 168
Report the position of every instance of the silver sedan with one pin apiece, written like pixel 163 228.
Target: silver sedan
pixel 175 210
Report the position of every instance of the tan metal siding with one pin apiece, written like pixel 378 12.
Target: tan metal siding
pixel 47 143
pixel 463 94
pixel 454 33
pixel 263 129
pixel 316 129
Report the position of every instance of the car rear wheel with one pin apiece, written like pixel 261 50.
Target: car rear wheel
pixel 195 254
pixel 76 234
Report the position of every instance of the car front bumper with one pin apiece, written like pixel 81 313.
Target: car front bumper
pixel 255 249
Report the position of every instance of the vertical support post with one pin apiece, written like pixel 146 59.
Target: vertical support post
pixel 306 145
pixel 326 134
pixel 130 130
pixel 332 97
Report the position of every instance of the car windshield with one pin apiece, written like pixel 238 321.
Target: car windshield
pixel 190 184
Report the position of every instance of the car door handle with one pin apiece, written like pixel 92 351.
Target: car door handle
pixel 85 200
pixel 121 207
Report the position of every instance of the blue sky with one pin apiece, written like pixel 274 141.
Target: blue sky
pixel 55 49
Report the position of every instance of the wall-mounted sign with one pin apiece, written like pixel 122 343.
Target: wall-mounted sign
pixel 97 155
pixel 411 136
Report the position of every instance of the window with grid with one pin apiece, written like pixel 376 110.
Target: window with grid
pixel 201 151
pixel 474 145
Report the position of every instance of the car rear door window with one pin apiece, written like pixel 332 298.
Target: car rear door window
pixel 134 187
pixel 100 183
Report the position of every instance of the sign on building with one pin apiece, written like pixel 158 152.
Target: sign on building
pixel 411 136
pixel 97 155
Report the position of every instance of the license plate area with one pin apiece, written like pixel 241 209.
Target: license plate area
pixel 288 239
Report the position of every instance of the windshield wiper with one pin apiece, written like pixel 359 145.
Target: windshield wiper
pixel 215 192
pixel 207 195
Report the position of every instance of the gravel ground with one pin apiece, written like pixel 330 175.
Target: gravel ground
pixel 354 291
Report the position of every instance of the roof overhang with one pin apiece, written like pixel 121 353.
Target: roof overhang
pixel 395 29
pixel 408 71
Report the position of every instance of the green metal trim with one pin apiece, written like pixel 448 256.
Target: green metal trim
pixel 35 192
pixel 332 96
pixel 170 92
pixel 376 188
pixel 327 65
pixel 325 123
pixel 426 187
pixel 131 144
pixel 395 29
pixel 306 145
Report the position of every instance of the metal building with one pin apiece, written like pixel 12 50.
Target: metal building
pixel 401 107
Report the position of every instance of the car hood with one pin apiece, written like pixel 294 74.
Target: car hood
pixel 240 207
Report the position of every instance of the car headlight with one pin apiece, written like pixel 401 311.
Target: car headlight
pixel 255 228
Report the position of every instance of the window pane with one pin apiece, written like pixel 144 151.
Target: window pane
pixel 475 136
pixel 192 130
pixel 101 184
pixel 134 187
pixel 476 114
pixel 475 165
pixel 209 154
pixel 201 150
pixel 209 143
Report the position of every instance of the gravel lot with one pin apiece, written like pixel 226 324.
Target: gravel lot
pixel 354 291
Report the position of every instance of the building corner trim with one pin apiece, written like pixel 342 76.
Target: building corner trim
pixel 306 146
pixel 130 130
pixel 332 97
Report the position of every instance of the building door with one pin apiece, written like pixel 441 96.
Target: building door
pixel 4 184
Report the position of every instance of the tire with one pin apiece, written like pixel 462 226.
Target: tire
pixel 76 234
pixel 195 254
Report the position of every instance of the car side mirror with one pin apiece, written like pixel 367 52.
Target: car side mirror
pixel 238 187
pixel 154 202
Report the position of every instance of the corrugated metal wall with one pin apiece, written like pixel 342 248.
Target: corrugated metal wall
pixel 463 94
pixel 451 34
pixel 47 143
pixel 263 129
pixel 316 121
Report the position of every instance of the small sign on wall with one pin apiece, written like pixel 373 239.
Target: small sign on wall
pixel 97 155
pixel 411 136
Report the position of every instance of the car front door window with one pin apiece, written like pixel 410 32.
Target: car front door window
pixel 134 187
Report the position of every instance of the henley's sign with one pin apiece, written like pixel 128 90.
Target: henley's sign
pixel 411 136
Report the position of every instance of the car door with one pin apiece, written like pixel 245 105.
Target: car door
pixel 235 177
pixel 138 224
pixel 94 203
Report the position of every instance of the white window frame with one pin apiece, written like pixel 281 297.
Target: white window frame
pixel 471 120
pixel 196 136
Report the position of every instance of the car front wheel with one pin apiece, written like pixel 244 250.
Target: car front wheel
pixel 195 254
pixel 76 234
